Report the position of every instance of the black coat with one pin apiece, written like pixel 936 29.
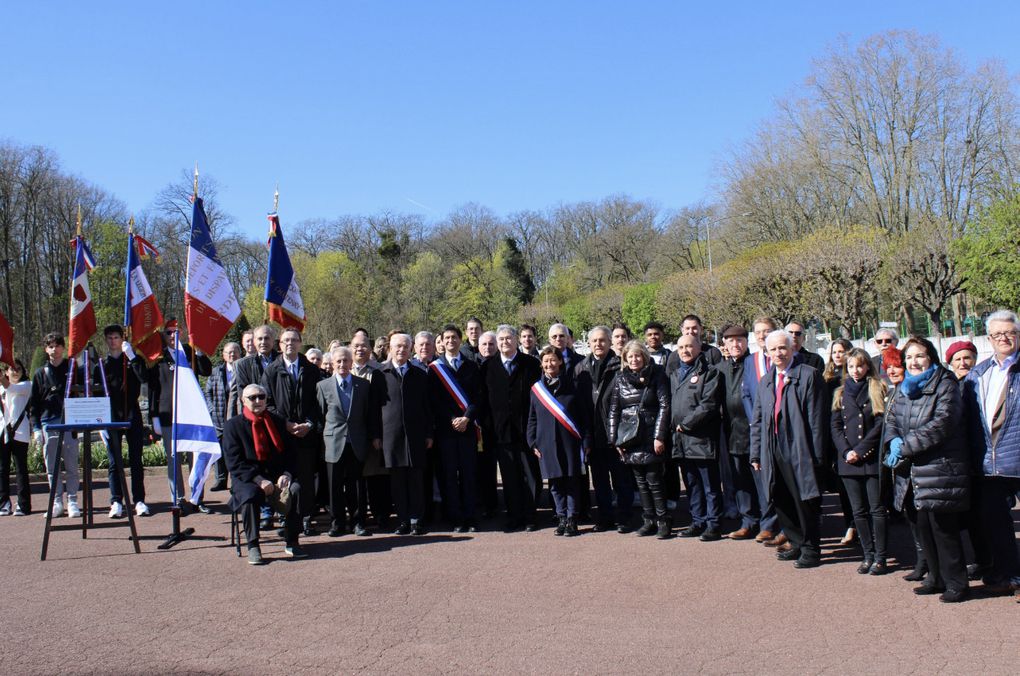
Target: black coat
pixel 506 398
pixel 855 427
pixel 597 377
pixel 244 466
pixel 561 450
pixel 445 408
pixel 734 414
pixel 298 401
pixel 695 408
pixel 646 395
pixel 812 359
pixel 48 385
pixel 124 378
pixel 407 419
pixel 934 441
pixel 247 371
pixel 161 380
pixel 802 422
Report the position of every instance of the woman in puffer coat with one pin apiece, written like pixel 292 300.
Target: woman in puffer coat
pixel 925 429
pixel 638 425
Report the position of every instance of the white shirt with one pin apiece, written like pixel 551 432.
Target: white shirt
pixel 15 399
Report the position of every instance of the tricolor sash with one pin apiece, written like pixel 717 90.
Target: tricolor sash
pixel 554 407
pixel 449 382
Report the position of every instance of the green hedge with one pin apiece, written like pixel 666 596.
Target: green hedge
pixel 153 455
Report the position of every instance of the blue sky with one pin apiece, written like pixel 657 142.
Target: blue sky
pixel 364 107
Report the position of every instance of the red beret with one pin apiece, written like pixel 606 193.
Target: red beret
pixel 958 346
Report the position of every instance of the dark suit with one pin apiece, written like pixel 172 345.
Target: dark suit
pixel 406 425
pixel 458 450
pixel 247 471
pixel 374 485
pixel 247 371
pixel 297 401
pixel 347 436
pixel 506 398
pixel 217 399
pixel 812 359
pixel 124 380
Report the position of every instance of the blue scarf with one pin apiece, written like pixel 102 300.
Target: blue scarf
pixel 685 369
pixel 912 385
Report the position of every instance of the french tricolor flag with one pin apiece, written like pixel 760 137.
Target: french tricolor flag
pixel 82 322
pixel 141 311
pixel 210 306
pixel 283 297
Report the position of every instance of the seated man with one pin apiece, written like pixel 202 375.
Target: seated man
pixel 261 462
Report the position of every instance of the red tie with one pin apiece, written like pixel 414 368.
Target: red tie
pixel 779 398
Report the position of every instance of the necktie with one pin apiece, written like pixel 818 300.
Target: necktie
pixel 402 370
pixel 768 362
pixel 780 384
pixel 509 366
pixel 293 370
pixel 345 397
pixel 456 363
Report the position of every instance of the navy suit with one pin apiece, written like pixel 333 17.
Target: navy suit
pixel 458 450
pixel 407 424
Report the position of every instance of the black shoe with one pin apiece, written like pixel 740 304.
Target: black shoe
pixel 309 530
pixel 336 532
pixel 361 531
pixel 623 528
pixel 710 535
pixel 865 567
pixel 789 555
pixel 879 568
pixel 917 574
pixel 204 508
pixel 471 527
pixel 601 527
pixel 513 525
pixel 186 508
pixel 692 531
pixel 294 551
pixel 976 571
pixel 807 562
pixel 266 524
pixel 561 526
pixel 220 486
pixel 530 527
pixel 954 595
pixel 664 529
pixel 572 528
pixel 418 529
pixel 460 529
pixel 928 590
pixel 255 556
pixel 403 529
pixel 648 528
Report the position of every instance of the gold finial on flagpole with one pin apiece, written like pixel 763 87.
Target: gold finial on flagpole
pixel 276 198
pixel 131 224
pixel 195 185
pixel 78 220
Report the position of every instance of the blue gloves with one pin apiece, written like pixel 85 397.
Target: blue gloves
pixel 895 452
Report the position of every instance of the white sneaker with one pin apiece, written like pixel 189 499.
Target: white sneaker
pixel 58 509
pixel 116 510
pixel 18 512
pixel 73 510
pixel 5 509
pixel 141 509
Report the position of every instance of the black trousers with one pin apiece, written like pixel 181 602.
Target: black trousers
pixel 745 491
pixel 432 477
pixel 650 487
pixel 115 449
pixel 671 479
pixel 610 476
pixel 459 461
pixel 374 495
pixel 977 529
pixel 407 484
pixel 486 482
pixel 291 522
pixel 18 451
pixel 864 493
pixel 997 496
pixel 519 480
pixel 801 520
pixel 943 548
pixel 304 474
pixel 342 477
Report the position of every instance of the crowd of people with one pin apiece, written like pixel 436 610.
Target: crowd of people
pixel 404 433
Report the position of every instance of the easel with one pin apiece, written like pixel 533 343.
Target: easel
pixel 85 452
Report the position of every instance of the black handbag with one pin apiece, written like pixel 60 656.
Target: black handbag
pixel 628 432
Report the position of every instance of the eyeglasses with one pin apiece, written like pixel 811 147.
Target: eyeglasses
pixel 1003 335
pixel 256 397
pixel 796 333
pixel 883 341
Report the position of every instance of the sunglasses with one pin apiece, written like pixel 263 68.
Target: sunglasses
pixel 256 397
pixel 796 333
pixel 883 341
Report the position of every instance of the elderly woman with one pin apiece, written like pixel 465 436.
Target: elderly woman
pixel 559 433
pixel 961 357
pixel 925 433
pixel 639 419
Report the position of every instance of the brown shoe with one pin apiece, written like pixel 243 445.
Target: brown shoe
pixel 741 534
pixel 776 541
pixel 764 536
pixel 785 547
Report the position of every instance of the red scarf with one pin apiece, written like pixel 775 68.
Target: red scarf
pixel 263 431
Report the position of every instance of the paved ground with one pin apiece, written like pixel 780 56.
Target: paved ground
pixel 486 603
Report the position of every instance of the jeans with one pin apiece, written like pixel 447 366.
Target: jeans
pixel 704 494
pixel 565 491
pixel 114 449
pixel 69 452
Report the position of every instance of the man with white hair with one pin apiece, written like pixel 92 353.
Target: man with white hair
pixel 787 447
pixel 990 394
pixel 884 339
pixel 560 338
pixel 424 350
